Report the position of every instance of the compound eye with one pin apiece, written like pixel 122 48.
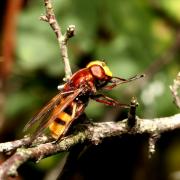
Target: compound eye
pixel 97 71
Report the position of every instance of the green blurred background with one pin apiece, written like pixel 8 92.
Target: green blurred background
pixel 132 36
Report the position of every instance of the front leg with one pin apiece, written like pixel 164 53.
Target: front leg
pixel 108 101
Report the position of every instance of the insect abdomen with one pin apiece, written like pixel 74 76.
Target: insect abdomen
pixel 59 125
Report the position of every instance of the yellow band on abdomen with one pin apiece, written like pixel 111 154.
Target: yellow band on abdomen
pixel 57 128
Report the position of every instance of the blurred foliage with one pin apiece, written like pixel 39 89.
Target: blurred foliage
pixel 129 35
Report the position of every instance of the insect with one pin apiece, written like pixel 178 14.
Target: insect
pixel 62 110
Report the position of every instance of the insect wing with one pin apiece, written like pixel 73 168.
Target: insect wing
pixel 46 122
pixel 45 111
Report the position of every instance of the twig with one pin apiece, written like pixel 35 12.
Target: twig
pixel 174 90
pixel 7 147
pixel 62 39
pixel 132 113
pixel 94 133
pixel 152 143
pixel 10 146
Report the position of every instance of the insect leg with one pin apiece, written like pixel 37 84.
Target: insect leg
pixel 108 101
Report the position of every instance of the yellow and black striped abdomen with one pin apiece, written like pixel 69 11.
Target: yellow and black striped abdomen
pixel 58 127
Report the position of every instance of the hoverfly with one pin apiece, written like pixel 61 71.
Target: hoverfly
pixel 71 101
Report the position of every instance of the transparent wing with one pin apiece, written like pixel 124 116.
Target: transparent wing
pixel 45 111
pixel 46 118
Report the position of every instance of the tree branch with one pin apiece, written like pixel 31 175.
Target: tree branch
pixel 93 133
pixel 62 39
pixel 7 147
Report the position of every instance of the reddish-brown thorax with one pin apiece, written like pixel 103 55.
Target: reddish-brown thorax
pixel 86 76
pixel 78 79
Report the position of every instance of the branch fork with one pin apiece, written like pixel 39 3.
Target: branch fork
pixel 62 39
